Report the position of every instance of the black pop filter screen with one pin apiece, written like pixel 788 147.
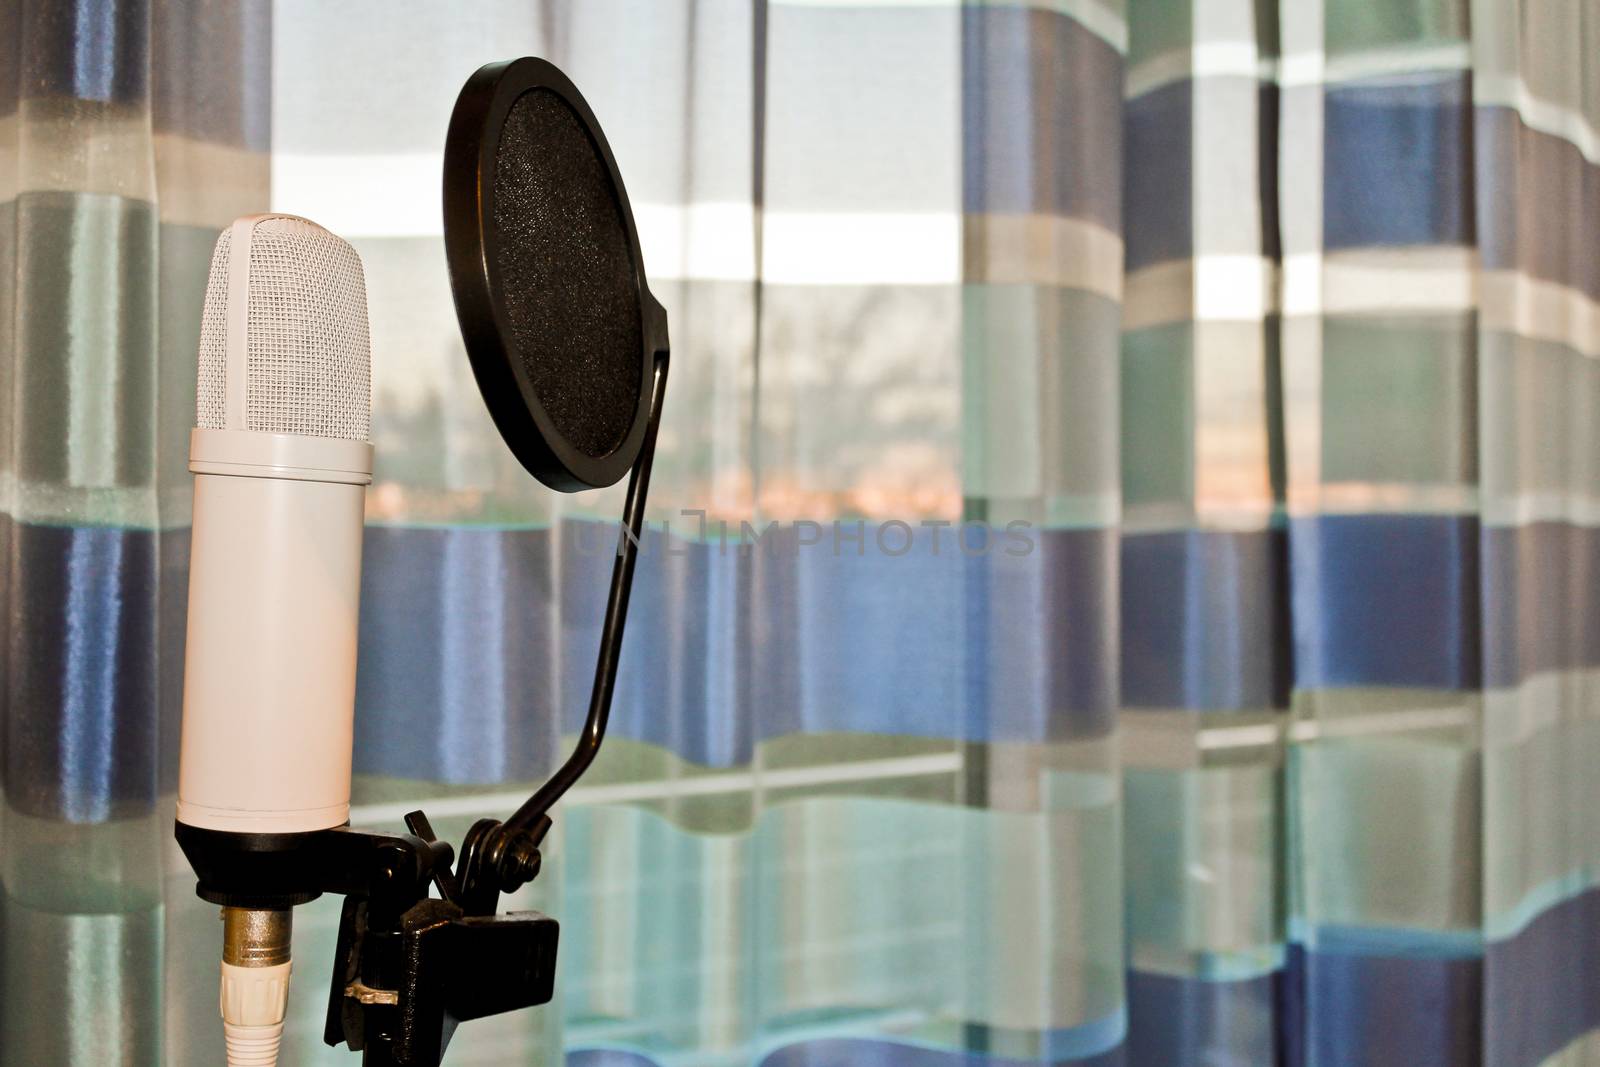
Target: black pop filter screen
pixel 566 274
pixel 564 337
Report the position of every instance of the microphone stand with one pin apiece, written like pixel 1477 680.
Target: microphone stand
pixel 408 966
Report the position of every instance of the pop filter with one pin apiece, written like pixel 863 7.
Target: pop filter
pixel 568 347
pixel 559 324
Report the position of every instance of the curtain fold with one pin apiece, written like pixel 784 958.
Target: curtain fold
pixel 129 133
pixel 1120 589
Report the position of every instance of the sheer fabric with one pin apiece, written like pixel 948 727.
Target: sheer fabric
pixel 1171 433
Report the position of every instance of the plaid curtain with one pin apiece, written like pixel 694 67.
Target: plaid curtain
pixel 1172 431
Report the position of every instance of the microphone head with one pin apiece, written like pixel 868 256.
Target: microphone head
pixel 549 284
pixel 284 341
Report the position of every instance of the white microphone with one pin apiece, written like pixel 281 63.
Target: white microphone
pixel 281 463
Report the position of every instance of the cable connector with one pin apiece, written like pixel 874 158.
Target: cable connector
pixel 254 996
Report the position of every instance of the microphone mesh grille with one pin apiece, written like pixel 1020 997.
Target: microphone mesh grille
pixel 309 361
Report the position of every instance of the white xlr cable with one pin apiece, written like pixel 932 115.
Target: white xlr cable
pixel 255 984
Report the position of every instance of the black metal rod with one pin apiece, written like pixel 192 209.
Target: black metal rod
pixel 605 670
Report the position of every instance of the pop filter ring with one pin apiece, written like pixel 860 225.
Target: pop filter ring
pixel 472 250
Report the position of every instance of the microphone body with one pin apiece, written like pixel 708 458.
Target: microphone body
pixel 270 664
pixel 281 464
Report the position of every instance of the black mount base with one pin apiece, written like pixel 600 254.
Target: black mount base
pixel 408 966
